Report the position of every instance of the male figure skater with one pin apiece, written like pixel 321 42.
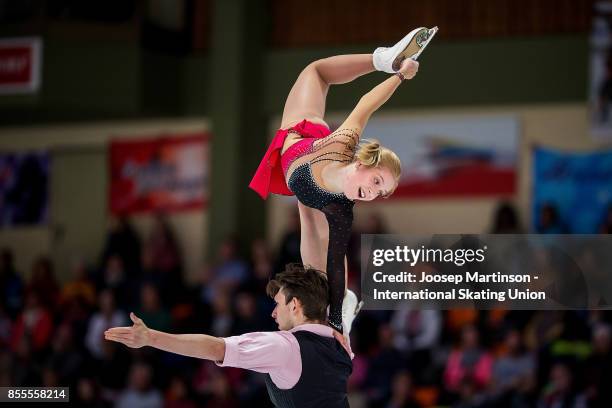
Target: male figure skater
pixel 305 364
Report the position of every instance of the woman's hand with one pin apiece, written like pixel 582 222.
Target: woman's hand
pixel 374 99
pixel 409 68
pixel 135 337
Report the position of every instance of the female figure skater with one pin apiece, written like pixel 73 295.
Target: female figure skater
pixel 327 171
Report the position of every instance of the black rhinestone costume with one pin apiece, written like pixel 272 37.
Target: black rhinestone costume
pixel 305 181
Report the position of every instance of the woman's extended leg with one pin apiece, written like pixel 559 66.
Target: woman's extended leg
pixel 306 100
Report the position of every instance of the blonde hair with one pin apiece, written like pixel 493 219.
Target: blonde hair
pixel 371 154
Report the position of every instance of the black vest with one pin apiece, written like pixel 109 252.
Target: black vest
pixel 326 367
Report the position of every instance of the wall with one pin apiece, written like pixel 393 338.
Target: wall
pixel 30 242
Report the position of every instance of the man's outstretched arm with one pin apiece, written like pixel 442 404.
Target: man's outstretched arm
pixel 192 345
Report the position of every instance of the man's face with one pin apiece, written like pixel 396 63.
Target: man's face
pixel 282 312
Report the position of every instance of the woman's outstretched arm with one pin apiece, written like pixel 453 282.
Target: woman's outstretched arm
pixel 380 94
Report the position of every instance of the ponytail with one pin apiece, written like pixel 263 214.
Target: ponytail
pixel 372 154
pixel 369 153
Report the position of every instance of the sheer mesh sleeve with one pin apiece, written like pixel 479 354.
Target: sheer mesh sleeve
pixel 340 219
pixel 337 146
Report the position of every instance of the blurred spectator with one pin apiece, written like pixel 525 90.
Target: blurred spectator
pixel 401 392
pixel 598 368
pixel 5 367
pixel 151 311
pixel 417 333
pixel 364 335
pixel 43 282
pixel 88 394
pixel 5 329
pixel 457 319
pixel 219 393
pixel 122 241
pixel 356 395
pixel 140 393
pixel 549 221
pixel 34 324
pixel 384 364
pixel 416 329
pixel 108 316
pixel 469 395
pixel 114 277
pixel 543 327
pixel 162 260
pixel 289 248
pixel 11 285
pixel 247 318
pixel 49 377
pixel 261 265
pixel 571 344
pixel 26 368
pixel 177 395
pixel 229 272
pixel 606 225
pixel 65 360
pixel 164 248
pixel 513 371
pixel 80 286
pixel 469 364
pixel 222 315
pixel 111 370
pixel 505 220
pixel 76 314
pixel 560 391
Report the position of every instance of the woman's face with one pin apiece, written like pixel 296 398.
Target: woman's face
pixel 369 183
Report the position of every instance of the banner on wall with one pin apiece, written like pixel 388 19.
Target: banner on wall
pixel 24 188
pixel 600 71
pixel 451 156
pixel 571 191
pixel 20 65
pixel 159 174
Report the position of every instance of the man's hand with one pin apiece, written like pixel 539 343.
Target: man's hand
pixel 344 342
pixel 135 337
pixel 409 68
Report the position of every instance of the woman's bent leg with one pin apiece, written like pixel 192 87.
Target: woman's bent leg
pixel 306 100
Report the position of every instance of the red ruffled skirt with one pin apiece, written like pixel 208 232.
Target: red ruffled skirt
pixel 270 177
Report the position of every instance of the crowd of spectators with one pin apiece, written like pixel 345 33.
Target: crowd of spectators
pixel 51 334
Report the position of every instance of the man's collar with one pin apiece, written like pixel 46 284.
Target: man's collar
pixel 316 328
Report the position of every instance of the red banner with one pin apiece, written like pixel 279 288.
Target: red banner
pixel 162 174
pixel 20 65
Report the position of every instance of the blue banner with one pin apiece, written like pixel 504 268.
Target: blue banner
pixel 24 188
pixel 572 192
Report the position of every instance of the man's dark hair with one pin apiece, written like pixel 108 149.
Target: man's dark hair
pixel 307 285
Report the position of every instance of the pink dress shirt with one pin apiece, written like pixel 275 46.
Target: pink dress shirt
pixel 275 353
